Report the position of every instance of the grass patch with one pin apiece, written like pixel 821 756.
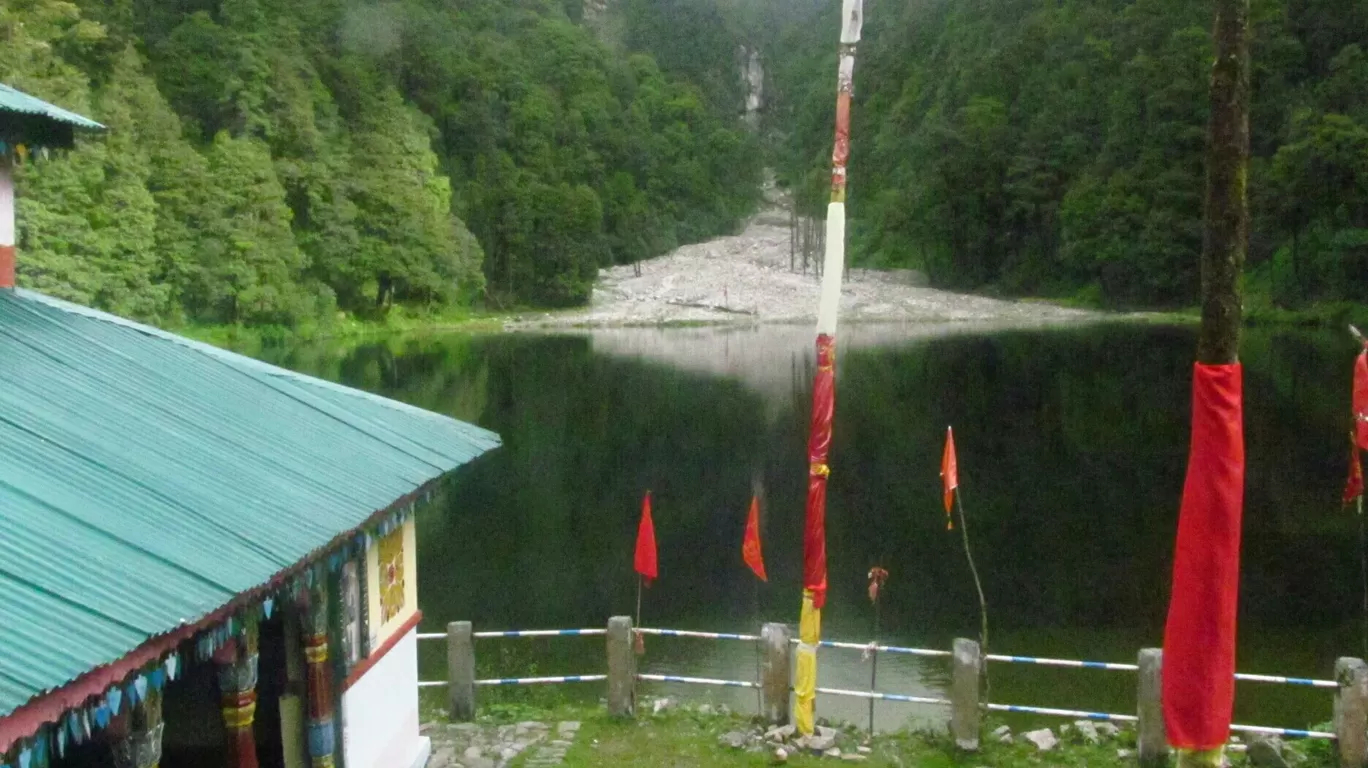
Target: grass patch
pixel 689 736
pixel 399 320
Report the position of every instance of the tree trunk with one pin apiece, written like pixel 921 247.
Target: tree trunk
pixel 1226 239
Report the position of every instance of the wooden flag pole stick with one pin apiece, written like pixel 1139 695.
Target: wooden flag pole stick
pixel 1363 570
pixel 983 602
pixel 874 663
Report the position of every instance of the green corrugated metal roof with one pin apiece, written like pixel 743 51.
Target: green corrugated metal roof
pixel 146 479
pixel 15 100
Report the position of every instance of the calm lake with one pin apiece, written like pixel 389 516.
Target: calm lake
pixel 1072 446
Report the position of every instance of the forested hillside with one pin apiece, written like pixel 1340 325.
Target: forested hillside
pixel 1056 146
pixel 274 161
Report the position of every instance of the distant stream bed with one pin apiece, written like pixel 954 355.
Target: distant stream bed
pixel 1072 445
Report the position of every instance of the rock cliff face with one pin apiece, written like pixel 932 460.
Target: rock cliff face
pixel 752 84
pixel 599 17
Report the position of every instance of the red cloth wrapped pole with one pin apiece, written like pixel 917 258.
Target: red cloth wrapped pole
pixel 819 444
pixel 1199 637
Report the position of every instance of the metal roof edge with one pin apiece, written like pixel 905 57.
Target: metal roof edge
pixel 477 433
pixel 29 104
pixel 49 707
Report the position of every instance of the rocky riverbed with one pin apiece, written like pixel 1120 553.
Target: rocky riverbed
pixel 750 278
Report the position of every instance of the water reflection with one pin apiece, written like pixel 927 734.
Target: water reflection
pixel 1072 444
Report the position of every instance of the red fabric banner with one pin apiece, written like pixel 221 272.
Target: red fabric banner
pixel 819 444
pixel 1199 637
pixel 1361 400
pixel 750 544
pixel 645 560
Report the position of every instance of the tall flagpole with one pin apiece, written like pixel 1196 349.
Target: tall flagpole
pixel 823 383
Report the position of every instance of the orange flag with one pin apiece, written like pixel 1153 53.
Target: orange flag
pixel 949 476
pixel 646 543
pixel 750 546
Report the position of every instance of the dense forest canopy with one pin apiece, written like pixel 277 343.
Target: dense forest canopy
pixel 275 161
pixel 1056 146
pixel 272 161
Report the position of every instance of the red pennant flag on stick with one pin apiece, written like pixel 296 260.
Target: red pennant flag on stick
pixel 646 543
pixel 1353 488
pixel 949 476
pixel 750 545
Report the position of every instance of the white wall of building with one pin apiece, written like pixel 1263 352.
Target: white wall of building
pixel 381 712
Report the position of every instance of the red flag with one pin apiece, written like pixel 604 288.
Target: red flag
pixel 1353 488
pixel 646 545
pixel 1199 636
pixel 1361 400
pixel 949 475
pixel 750 545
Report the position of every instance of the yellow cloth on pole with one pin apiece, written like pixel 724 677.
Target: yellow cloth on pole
pixel 805 675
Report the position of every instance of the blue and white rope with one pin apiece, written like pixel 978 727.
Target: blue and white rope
pixel 882 696
pixel 1292 732
pixel 521 633
pixel 432 683
pixel 1286 680
pixel 698 681
pixel 1063 662
pixel 703 635
pixel 542 680
pixel 1079 714
pixel 542 633
pixel 879 648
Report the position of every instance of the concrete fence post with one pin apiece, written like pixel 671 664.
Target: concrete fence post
pixel 621 668
pixel 1351 712
pixel 461 670
pixel 1151 741
pixel 776 670
pixel 965 716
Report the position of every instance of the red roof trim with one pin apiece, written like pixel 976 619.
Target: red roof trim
pixel 363 666
pixel 41 710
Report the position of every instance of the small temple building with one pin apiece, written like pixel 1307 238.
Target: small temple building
pixel 204 560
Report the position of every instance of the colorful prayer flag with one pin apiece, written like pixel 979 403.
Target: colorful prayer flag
pixel 750 545
pixel 949 476
pixel 645 561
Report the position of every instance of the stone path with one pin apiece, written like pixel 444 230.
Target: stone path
pixel 468 745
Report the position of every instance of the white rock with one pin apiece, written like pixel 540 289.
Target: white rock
pixel 734 739
pixel 781 755
pixel 780 733
pixel 819 742
pixel 1044 739
pixel 1088 731
pixel 1108 730
pixel 1003 733
pixel 854 758
pixel 833 752
pixel 660 705
pixel 1124 754
pixel 863 749
pixel 472 753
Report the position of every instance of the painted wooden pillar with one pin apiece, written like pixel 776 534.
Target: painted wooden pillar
pixel 237 676
pixel 322 737
pixel 7 233
pixel 137 736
